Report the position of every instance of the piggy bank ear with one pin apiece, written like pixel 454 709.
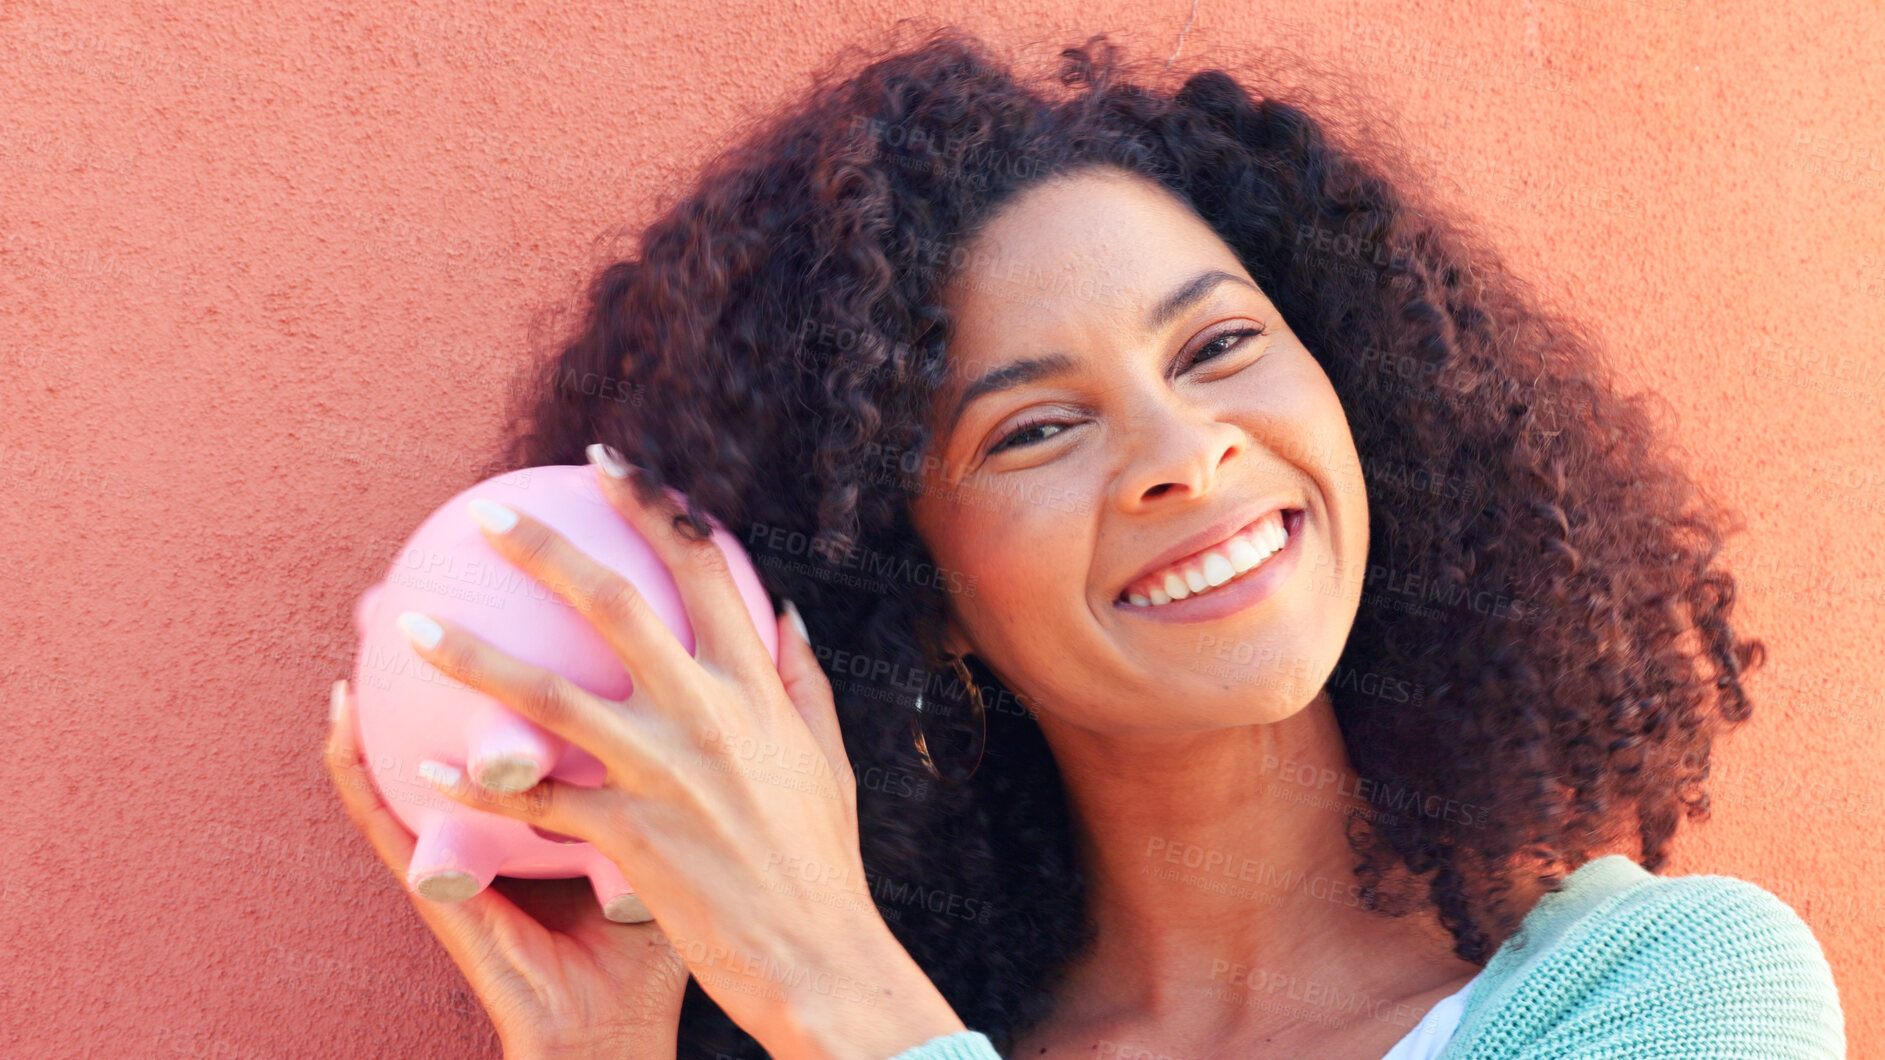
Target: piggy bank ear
pixel 363 608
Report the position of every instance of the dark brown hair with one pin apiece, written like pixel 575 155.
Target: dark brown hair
pixel 1542 656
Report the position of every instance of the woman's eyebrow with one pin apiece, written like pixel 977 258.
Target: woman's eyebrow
pixel 1028 370
pixel 1191 291
pixel 1009 376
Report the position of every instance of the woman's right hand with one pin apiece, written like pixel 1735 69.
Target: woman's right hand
pixel 578 986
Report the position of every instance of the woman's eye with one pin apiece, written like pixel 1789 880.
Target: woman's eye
pixel 1221 345
pixel 1210 351
pixel 1026 428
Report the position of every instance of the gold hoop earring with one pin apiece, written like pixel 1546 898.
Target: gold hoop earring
pixel 981 717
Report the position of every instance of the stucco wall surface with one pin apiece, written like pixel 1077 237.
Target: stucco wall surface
pixel 264 273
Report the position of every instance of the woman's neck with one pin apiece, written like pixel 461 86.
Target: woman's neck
pixel 1217 867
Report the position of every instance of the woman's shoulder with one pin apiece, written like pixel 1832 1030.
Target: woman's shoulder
pixel 1623 962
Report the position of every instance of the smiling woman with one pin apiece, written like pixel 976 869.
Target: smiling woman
pixel 1128 361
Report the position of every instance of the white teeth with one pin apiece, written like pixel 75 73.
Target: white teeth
pixel 1243 556
pixel 1217 567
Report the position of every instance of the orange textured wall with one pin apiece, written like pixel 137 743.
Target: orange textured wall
pixel 265 278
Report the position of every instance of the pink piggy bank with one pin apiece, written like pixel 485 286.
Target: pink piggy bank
pixel 409 710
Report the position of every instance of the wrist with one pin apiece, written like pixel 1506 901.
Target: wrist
pixel 879 1005
pixel 598 1043
pixel 538 1050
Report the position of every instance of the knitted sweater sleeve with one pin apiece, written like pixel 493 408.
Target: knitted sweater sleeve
pixel 963 1045
pixel 1690 968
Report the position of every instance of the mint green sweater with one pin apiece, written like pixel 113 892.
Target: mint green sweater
pixel 1623 964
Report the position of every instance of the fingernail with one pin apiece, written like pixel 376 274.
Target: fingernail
pixel 423 631
pixel 439 774
pixel 798 622
pixel 610 461
pixel 491 515
pixel 336 700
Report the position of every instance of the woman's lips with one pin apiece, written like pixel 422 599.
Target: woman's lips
pixel 1214 566
pixel 1247 590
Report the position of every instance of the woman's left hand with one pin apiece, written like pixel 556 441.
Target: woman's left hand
pixel 729 803
pixel 555 976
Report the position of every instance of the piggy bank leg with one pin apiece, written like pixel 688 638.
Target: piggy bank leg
pixel 453 860
pixel 619 902
pixel 507 754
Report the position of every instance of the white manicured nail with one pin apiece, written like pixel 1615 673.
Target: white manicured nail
pixel 336 700
pixel 600 456
pixel 798 621
pixel 438 773
pixel 423 631
pixel 491 515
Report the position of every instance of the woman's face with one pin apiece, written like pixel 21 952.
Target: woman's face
pixel 1144 426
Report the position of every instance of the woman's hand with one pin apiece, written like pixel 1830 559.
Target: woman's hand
pixel 729 802
pixel 575 985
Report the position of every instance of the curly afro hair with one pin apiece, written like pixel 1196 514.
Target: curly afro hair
pixel 1542 586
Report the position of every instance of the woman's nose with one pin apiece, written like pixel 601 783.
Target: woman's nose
pixel 1175 450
